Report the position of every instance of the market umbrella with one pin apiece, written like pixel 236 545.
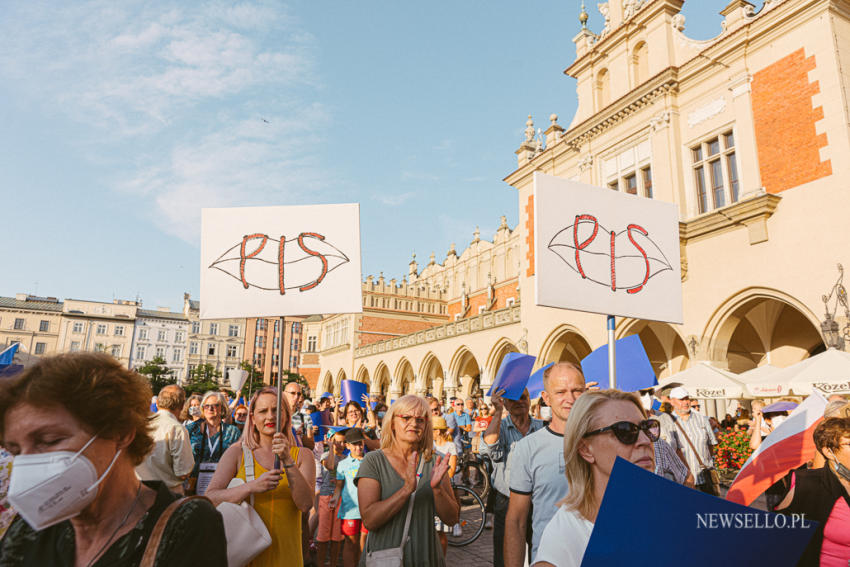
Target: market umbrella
pixel 707 382
pixel 827 373
pixel 762 382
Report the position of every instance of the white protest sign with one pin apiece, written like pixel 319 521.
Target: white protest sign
pixel 278 261
pixel 237 378
pixel 605 252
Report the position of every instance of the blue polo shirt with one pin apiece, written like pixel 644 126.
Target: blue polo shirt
pixel 455 422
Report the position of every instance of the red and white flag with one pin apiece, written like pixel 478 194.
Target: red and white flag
pixel 787 447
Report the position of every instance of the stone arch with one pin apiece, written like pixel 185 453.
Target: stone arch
pixel 326 384
pixel 464 373
pixel 404 378
pixel 340 376
pixel 603 89
pixel 431 374
pixel 758 326
pixel 664 346
pixel 640 63
pixel 564 343
pixel 362 375
pixel 382 380
pixel 494 359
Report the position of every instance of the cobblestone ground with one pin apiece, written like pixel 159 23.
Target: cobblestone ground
pixel 477 554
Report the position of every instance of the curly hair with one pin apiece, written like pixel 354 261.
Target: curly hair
pixel 830 431
pixel 107 399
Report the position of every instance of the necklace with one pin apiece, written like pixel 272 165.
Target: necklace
pixel 123 521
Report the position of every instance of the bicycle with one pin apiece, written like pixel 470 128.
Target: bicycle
pixel 474 473
pixel 472 517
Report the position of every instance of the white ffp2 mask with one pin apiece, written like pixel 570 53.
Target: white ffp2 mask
pixel 48 488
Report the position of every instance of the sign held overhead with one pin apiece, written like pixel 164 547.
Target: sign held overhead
pixel 605 252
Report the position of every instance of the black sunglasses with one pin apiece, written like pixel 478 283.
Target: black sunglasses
pixel 627 432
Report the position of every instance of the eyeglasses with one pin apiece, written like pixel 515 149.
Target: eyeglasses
pixel 627 432
pixel 294 394
pixel 212 407
pixel 435 411
pixel 406 419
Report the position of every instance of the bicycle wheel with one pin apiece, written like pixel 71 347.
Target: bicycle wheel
pixel 472 517
pixel 473 475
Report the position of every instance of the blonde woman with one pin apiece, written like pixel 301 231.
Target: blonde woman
pixel 602 426
pixel 280 495
pixel 388 477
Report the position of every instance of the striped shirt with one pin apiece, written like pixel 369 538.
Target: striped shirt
pixel 698 430
pixel 501 449
pixel 668 464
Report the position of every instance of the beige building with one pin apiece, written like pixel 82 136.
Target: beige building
pixel 98 326
pixel 219 342
pixel 744 132
pixel 31 321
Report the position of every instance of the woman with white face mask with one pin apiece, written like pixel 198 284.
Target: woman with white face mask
pixel 191 410
pixel 77 425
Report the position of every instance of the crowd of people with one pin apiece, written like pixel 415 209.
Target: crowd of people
pixel 97 478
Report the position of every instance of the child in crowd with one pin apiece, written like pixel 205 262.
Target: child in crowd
pixel 445 445
pixel 349 509
pixel 330 525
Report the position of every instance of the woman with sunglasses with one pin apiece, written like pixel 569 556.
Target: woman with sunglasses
pixel 210 437
pixel 406 465
pixel 602 426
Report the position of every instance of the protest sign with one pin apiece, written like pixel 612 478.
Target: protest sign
pixel 535 382
pixel 634 371
pixel 278 261
pixel 237 378
pixel 694 525
pixel 320 420
pixel 605 251
pixel 353 391
pixel 513 375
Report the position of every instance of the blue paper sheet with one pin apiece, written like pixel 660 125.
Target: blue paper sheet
pixel 513 375
pixel 648 520
pixel 319 420
pixel 634 372
pixel 535 382
pixel 353 391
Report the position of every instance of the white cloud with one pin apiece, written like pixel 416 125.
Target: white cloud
pixel 394 200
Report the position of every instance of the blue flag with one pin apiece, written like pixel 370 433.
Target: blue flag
pixel 644 515
pixel 8 355
pixel 634 372
pixel 513 375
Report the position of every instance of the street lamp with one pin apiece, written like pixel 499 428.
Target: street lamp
pixel 832 335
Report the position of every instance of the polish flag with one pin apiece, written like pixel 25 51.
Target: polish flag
pixel 787 447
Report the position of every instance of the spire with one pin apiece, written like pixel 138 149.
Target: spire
pixel 583 17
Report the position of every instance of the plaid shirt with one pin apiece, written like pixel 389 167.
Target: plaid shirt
pixel 667 462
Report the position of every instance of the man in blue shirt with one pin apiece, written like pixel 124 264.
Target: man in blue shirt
pixel 460 424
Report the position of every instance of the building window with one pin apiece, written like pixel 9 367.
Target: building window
pixel 629 170
pixel 19 324
pixel 293 344
pixel 160 352
pixel 311 344
pixel 140 352
pixel 100 347
pixel 631 184
pixel 162 335
pixel 75 346
pixel 259 341
pixel 196 327
pixel 231 351
pixel 213 328
pixel 101 329
pixel 179 336
pixel 44 326
pixel 39 348
pixel 119 330
pixel 646 176
pixel 233 331
pixel 277 325
pixel 258 360
pixel 116 351
pixel 177 355
pixel 296 327
pixel 211 349
pixel 293 361
pixel 715 172
pixel 143 334
pixel 261 324
pixel 274 361
pixel 77 328
pixel 193 347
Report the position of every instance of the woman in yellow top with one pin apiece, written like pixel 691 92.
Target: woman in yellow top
pixel 280 495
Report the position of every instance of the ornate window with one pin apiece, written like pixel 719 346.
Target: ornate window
pixel 715 167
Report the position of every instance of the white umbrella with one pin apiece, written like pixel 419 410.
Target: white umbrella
pixel 762 382
pixel 707 382
pixel 827 373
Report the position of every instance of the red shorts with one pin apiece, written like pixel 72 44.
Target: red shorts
pixel 353 527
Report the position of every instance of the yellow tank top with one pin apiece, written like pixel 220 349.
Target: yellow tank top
pixel 282 518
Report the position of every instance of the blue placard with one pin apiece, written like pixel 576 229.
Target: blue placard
pixel 634 372
pixel 535 382
pixel 353 391
pixel 693 524
pixel 319 420
pixel 513 375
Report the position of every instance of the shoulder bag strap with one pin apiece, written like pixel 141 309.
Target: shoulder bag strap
pixel 410 505
pixel 688 439
pixel 159 529
pixel 248 463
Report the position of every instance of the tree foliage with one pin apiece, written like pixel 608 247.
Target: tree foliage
pixel 157 373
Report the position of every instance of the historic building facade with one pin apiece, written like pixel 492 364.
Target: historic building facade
pixel 31 321
pixel 98 327
pixel 744 132
pixel 219 342
pixel 160 333
pixel 262 345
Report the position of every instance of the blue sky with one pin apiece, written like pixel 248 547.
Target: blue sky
pixel 122 119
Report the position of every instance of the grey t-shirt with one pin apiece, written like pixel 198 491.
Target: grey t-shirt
pixel 537 469
pixel 328 477
pixel 423 548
